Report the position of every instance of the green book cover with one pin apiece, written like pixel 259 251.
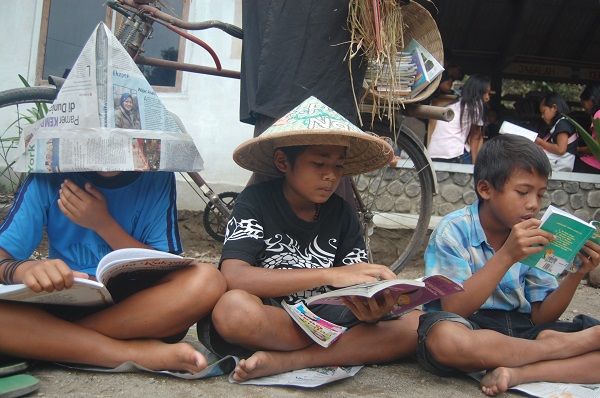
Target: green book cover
pixel 571 234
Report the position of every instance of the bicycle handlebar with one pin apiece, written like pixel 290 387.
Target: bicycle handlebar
pixel 230 29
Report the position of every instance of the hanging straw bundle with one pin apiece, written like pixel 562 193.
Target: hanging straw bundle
pixel 380 30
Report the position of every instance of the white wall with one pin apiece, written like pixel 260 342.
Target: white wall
pixel 207 105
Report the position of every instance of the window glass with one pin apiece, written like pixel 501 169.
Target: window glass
pixel 70 24
pixel 164 44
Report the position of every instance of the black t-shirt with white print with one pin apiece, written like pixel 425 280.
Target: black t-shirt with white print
pixel 264 232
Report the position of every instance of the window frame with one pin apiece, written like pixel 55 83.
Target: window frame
pixel 108 20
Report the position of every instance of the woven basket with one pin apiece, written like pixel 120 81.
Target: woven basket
pixel 418 25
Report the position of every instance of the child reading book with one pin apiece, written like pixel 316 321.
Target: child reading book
pixel 507 319
pixel 291 238
pixel 87 215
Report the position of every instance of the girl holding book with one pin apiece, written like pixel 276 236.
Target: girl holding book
pixel 590 100
pixel 459 140
pixel 560 141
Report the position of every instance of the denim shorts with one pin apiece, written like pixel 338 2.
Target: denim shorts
pixel 210 338
pixel 509 323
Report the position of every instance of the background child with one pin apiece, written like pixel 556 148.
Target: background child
pixel 86 215
pixel 508 314
pixel 458 141
pixel 560 142
pixel 590 100
pixel 292 238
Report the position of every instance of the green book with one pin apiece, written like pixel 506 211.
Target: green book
pixel 571 234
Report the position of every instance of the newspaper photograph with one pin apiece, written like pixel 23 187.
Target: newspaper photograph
pixel 106 117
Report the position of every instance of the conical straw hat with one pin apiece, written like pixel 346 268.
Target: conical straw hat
pixel 314 123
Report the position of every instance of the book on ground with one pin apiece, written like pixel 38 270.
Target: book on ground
pixel 409 293
pixel 118 273
pixel 428 68
pixel 571 234
pixel 510 128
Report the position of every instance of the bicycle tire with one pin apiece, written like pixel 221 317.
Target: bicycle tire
pixel 13 104
pixel 400 200
pixel 24 95
pixel 215 223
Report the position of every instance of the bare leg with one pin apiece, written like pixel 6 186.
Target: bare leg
pixel 290 349
pixel 579 369
pixel 173 305
pixel 455 345
pixel 241 318
pixel 30 332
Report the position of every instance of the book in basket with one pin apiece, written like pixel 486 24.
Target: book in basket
pixel 409 293
pixel 428 68
pixel 115 270
pixel 571 234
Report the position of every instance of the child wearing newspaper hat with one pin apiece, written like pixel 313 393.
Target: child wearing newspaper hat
pixel 291 238
pixel 86 215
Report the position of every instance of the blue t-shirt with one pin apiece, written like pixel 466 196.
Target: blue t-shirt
pixel 143 204
pixel 458 248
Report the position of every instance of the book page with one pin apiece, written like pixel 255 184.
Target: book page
pixel 510 128
pixel 84 292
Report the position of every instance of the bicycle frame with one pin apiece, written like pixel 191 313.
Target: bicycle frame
pixel 137 28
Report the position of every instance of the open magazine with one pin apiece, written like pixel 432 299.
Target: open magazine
pixel 118 274
pixel 106 117
pixel 409 293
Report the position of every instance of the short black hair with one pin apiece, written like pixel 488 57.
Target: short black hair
pixel 292 152
pixel 499 158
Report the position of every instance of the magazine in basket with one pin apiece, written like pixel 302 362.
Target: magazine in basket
pixel 131 263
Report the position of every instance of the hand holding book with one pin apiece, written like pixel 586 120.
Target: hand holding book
pixel 571 235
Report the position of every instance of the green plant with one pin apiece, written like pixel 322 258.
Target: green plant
pixel 592 143
pixel 9 138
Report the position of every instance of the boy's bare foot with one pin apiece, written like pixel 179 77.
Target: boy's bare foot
pixel 263 363
pixel 498 381
pixel 156 355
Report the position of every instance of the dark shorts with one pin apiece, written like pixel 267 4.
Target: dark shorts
pixel 208 336
pixel 510 323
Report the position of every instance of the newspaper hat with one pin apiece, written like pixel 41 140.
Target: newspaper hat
pixel 314 123
pixel 87 127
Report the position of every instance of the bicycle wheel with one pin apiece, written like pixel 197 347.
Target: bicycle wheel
pixel 399 201
pixel 18 108
pixel 215 222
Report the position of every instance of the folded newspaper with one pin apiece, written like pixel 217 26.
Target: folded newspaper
pixel 106 117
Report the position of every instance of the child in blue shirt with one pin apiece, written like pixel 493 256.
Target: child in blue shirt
pixel 506 320
pixel 87 215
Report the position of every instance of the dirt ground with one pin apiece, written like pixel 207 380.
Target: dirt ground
pixel 398 379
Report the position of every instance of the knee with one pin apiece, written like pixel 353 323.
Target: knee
pixel 202 283
pixel 447 342
pixel 234 312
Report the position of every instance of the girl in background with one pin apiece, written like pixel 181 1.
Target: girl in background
pixel 590 100
pixel 459 140
pixel 560 142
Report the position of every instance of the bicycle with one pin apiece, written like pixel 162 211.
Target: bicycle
pixel 381 196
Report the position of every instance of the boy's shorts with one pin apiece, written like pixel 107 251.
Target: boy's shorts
pixel 509 323
pixel 208 336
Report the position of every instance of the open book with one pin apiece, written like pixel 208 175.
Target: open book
pixel 409 294
pixel 571 234
pixel 120 272
pixel 510 128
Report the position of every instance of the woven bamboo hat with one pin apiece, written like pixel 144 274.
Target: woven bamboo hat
pixel 314 123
